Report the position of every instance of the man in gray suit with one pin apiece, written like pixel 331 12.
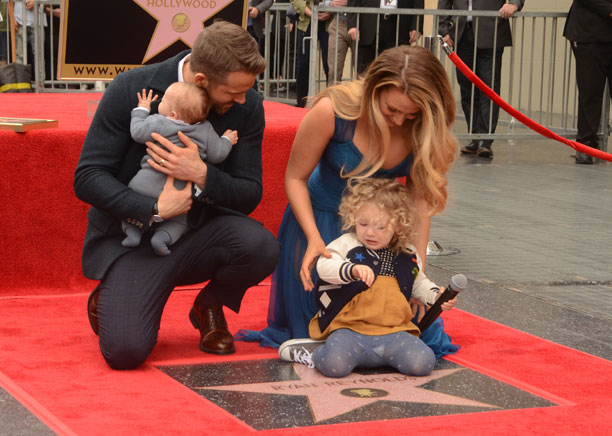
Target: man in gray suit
pixel 481 52
pixel 589 29
pixel 224 247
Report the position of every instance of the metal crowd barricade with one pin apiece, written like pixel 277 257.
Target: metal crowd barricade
pixel 45 35
pixel 537 75
pixel 279 47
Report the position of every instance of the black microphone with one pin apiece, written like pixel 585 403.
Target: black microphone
pixel 458 284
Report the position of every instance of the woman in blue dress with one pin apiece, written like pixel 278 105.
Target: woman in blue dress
pixel 394 122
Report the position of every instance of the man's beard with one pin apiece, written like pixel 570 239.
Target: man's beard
pixel 221 109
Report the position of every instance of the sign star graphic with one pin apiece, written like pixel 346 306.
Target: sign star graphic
pixel 178 20
pixel 330 397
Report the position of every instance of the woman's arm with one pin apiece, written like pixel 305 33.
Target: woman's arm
pixel 313 135
pixel 422 226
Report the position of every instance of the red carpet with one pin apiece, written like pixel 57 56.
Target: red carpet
pixel 54 366
pixel 47 223
pixel 50 360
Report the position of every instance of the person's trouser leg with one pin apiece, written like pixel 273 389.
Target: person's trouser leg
pixel 337 50
pixel 323 37
pixel 593 66
pixel 465 50
pixel 302 68
pixel 251 31
pixel 486 112
pixel 340 354
pixel 233 252
pixel 365 56
pixel 4 52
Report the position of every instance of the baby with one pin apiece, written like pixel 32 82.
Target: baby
pixel 365 289
pixel 184 107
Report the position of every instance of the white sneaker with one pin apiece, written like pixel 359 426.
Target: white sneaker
pixel 299 350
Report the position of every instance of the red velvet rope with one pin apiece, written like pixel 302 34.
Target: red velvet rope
pixel 519 116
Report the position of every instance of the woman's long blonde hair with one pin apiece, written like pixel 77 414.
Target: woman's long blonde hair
pixel 419 74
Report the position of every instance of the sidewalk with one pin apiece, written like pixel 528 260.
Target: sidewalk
pixel 534 232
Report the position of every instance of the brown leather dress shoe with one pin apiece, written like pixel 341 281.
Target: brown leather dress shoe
pixel 214 335
pixel 92 309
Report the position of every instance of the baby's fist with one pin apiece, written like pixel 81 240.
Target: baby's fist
pixel 232 135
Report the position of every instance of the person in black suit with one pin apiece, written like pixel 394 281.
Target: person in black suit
pixel 475 45
pixel 410 27
pixel 589 29
pixel 224 246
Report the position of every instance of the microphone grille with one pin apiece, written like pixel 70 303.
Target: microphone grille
pixel 459 282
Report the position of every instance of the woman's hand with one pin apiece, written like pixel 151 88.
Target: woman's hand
pixel 313 251
pixel 180 163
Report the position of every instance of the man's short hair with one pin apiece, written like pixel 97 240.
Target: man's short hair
pixel 223 48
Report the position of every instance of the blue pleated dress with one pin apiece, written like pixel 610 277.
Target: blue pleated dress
pixel 291 308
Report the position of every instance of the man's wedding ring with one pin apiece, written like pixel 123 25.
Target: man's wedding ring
pixel 162 161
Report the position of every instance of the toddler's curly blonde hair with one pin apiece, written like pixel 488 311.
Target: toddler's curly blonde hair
pixel 388 195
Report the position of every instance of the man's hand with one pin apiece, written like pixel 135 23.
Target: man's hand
pixel 253 12
pixel 363 273
pixel 447 39
pixel 508 10
pixel 144 99
pixel 173 202
pixel 414 35
pixel 353 33
pixel 323 16
pixel 180 163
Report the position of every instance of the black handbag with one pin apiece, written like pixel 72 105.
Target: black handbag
pixel 15 78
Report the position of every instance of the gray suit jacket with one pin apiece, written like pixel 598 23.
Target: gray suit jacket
pixel 486 25
pixel 258 23
pixel 110 158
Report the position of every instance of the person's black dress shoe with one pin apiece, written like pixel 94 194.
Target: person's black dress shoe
pixel 484 150
pixel 471 148
pixel 214 335
pixel 92 309
pixel 583 158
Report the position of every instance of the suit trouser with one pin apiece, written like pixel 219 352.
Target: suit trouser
pixel 593 67
pixel 233 252
pixel 478 115
pixel 303 60
pixel 340 41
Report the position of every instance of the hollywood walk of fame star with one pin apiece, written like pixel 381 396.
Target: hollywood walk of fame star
pixel 178 20
pixel 330 397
